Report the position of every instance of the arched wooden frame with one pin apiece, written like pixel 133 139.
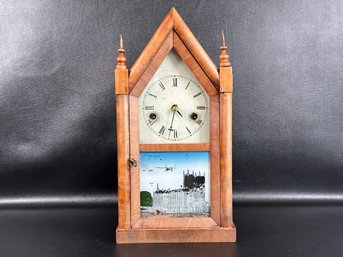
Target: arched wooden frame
pixel 173 41
pixel 132 228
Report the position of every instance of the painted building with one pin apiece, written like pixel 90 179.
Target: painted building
pixel 189 198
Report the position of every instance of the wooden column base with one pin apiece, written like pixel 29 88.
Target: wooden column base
pixel 181 235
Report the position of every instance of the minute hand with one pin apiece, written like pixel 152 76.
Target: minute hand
pixel 171 124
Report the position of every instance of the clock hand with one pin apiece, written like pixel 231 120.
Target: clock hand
pixel 179 113
pixel 171 124
pixel 174 109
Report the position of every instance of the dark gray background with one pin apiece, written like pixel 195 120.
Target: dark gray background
pixel 57 107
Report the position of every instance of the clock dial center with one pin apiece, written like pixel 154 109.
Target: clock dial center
pixel 174 108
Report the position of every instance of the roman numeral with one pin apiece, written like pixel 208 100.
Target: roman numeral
pixel 201 107
pixel 175 82
pixel 188 130
pixel 149 108
pixel 162 86
pixel 162 130
pixel 187 85
pixel 153 95
pixel 197 95
pixel 175 133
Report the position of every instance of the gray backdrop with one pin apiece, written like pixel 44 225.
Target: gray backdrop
pixel 57 116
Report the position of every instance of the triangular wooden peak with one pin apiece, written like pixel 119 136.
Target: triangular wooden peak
pixel 173 33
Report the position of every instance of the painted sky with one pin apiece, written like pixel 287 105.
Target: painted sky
pixel 153 169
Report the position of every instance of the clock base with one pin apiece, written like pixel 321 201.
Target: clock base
pixel 180 235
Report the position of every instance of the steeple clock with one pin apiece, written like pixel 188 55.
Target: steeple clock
pixel 174 138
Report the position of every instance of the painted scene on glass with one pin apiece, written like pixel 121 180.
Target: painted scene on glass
pixel 175 184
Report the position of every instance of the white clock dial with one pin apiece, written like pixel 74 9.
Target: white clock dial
pixel 175 107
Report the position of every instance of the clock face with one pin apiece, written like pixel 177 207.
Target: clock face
pixel 174 108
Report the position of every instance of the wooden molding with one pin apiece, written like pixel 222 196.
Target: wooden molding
pixel 226 158
pixel 194 66
pixel 195 48
pixel 171 41
pixel 174 147
pixel 124 194
pixel 173 21
pixel 175 222
pixel 155 63
pixel 134 153
pixel 215 186
pixel 172 235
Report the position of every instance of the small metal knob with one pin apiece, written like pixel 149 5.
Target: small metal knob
pixel 132 162
pixel 194 116
pixel 152 116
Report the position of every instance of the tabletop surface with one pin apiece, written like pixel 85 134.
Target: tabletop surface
pixel 262 231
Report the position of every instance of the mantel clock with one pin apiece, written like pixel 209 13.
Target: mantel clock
pixel 174 138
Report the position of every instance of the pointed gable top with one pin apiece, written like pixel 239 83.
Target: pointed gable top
pixel 173 22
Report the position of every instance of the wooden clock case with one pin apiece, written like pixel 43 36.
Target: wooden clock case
pixel 219 226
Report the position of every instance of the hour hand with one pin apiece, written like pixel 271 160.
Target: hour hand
pixel 179 113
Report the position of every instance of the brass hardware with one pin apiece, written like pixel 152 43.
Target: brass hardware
pixel 132 162
pixel 174 108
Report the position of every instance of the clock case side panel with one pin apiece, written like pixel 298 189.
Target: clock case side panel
pixel 226 81
pixel 123 151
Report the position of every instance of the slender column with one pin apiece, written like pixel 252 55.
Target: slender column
pixel 123 150
pixel 225 80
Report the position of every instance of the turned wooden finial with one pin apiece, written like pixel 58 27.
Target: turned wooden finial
pixel 223 38
pixel 121 59
pixel 224 58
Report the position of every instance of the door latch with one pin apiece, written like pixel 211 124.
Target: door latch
pixel 132 162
